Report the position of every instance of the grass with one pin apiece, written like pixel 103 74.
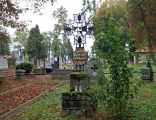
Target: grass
pixel 145 102
pixel 47 108
pixel 138 67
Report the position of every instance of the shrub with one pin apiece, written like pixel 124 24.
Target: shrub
pixel 78 75
pixel 25 66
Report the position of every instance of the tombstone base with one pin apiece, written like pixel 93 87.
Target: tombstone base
pixel 79 104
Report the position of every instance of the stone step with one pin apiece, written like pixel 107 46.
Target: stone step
pixel 60 77
pixel 63 71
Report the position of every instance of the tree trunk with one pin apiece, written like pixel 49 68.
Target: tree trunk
pixel 44 63
pixel 35 62
pixel 150 47
pixel 56 63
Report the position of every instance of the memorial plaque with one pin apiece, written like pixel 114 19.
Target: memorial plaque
pixel 80 56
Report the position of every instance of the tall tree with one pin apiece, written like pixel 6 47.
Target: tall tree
pixel 4 37
pixel 21 40
pixel 142 23
pixel 89 5
pixel 36 46
pixel 61 16
pixel 4 49
pixel 111 35
pixel 48 42
pixel 21 37
pixel 66 49
pixel 57 45
pixel 4 42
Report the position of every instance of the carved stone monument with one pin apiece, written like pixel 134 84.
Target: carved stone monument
pixel 80 98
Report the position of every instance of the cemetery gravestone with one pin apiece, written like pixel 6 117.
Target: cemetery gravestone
pixel 80 97
pixel 3 63
pixel 80 56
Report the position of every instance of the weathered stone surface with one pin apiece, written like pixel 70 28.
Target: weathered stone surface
pixel 146 74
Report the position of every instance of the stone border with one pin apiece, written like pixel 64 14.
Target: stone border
pixel 27 103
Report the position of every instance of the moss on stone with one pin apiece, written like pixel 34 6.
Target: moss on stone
pixel 78 75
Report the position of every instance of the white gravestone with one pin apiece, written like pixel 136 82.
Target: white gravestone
pixel 3 62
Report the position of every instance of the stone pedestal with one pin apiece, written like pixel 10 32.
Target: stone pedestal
pixel 79 85
pixel 20 74
pixel 80 98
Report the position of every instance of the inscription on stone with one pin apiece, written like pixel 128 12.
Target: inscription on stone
pixel 80 56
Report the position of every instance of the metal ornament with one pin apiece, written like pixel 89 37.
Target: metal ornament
pixel 79 28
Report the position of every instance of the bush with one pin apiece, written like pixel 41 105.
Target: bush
pixel 78 75
pixel 25 66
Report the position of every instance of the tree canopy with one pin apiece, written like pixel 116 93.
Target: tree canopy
pixel 10 10
pixel 36 46
pixel 21 38
pixel 4 42
pixel 4 48
pixel 111 35
pixel 142 22
pixel 61 16
pixel 4 36
pixel 9 14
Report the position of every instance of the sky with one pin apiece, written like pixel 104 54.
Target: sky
pixel 46 21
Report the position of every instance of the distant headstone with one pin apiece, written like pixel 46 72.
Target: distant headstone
pixel 146 74
pixel 3 63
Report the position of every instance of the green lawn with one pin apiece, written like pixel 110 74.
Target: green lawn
pixel 137 68
pixel 145 102
pixel 49 106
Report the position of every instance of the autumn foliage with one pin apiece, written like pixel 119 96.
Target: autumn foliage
pixel 143 21
pixel 9 14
